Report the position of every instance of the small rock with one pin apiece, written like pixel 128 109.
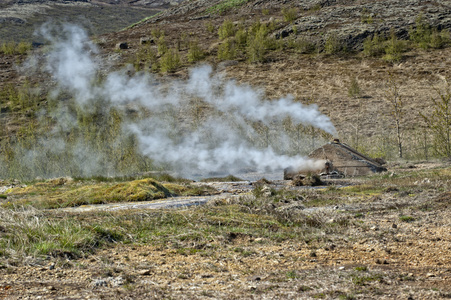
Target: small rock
pixel 99 283
pixel 144 272
pixel 429 275
pixel 122 45
pixel 51 288
pixel 341 268
pixel 394 225
pixel 254 278
pixel 146 40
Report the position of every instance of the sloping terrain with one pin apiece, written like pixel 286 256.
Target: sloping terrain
pixel 20 18
pixel 381 237
pixel 323 55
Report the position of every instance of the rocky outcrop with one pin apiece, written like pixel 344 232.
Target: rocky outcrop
pixel 349 21
pixel 353 21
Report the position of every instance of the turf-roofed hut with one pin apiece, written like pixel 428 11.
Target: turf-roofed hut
pixel 341 159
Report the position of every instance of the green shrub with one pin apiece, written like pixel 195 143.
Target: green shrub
pixel 373 46
pixel 170 61
pixel 394 48
pixel 157 33
pixel 210 27
pixel 421 35
pixel 162 46
pixel 289 14
pixel 8 48
pixel 258 42
pixel 227 50
pixel 333 45
pixel 241 37
pixel 145 58
pixel 354 88
pixel 195 52
pixel 11 48
pixel 227 29
pixel 256 48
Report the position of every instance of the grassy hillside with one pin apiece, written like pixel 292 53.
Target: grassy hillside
pixel 381 79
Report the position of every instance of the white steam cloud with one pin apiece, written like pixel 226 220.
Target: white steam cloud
pixel 199 125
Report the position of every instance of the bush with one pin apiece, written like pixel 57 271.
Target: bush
pixel 373 46
pixel 10 48
pixel 394 48
pixel 421 35
pixel 145 58
pixel 259 42
pixel 227 50
pixel 162 46
pixel 170 61
pixel 333 45
pixel 195 53
pixel 210 27
pixel 289 14
pixel 226 30
pixel 241 37
pixel 354 88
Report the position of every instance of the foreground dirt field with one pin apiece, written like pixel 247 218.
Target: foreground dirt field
pixel 390 245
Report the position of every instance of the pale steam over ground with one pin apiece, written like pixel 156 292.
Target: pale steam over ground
pixel 200 125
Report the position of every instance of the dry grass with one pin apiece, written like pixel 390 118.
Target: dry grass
pixel 261 245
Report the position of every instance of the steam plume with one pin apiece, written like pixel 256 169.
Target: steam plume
pixel 219 137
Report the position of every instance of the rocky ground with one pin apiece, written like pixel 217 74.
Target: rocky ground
pixel 394 245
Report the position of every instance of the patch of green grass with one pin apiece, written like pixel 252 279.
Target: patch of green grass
pixel 365 279
pixel 406 219
pixel 361 268
pixel 292 274
pixel 54 194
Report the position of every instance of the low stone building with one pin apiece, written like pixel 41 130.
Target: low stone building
pixel 342 159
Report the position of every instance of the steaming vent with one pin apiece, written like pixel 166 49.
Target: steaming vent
pixel 338 160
